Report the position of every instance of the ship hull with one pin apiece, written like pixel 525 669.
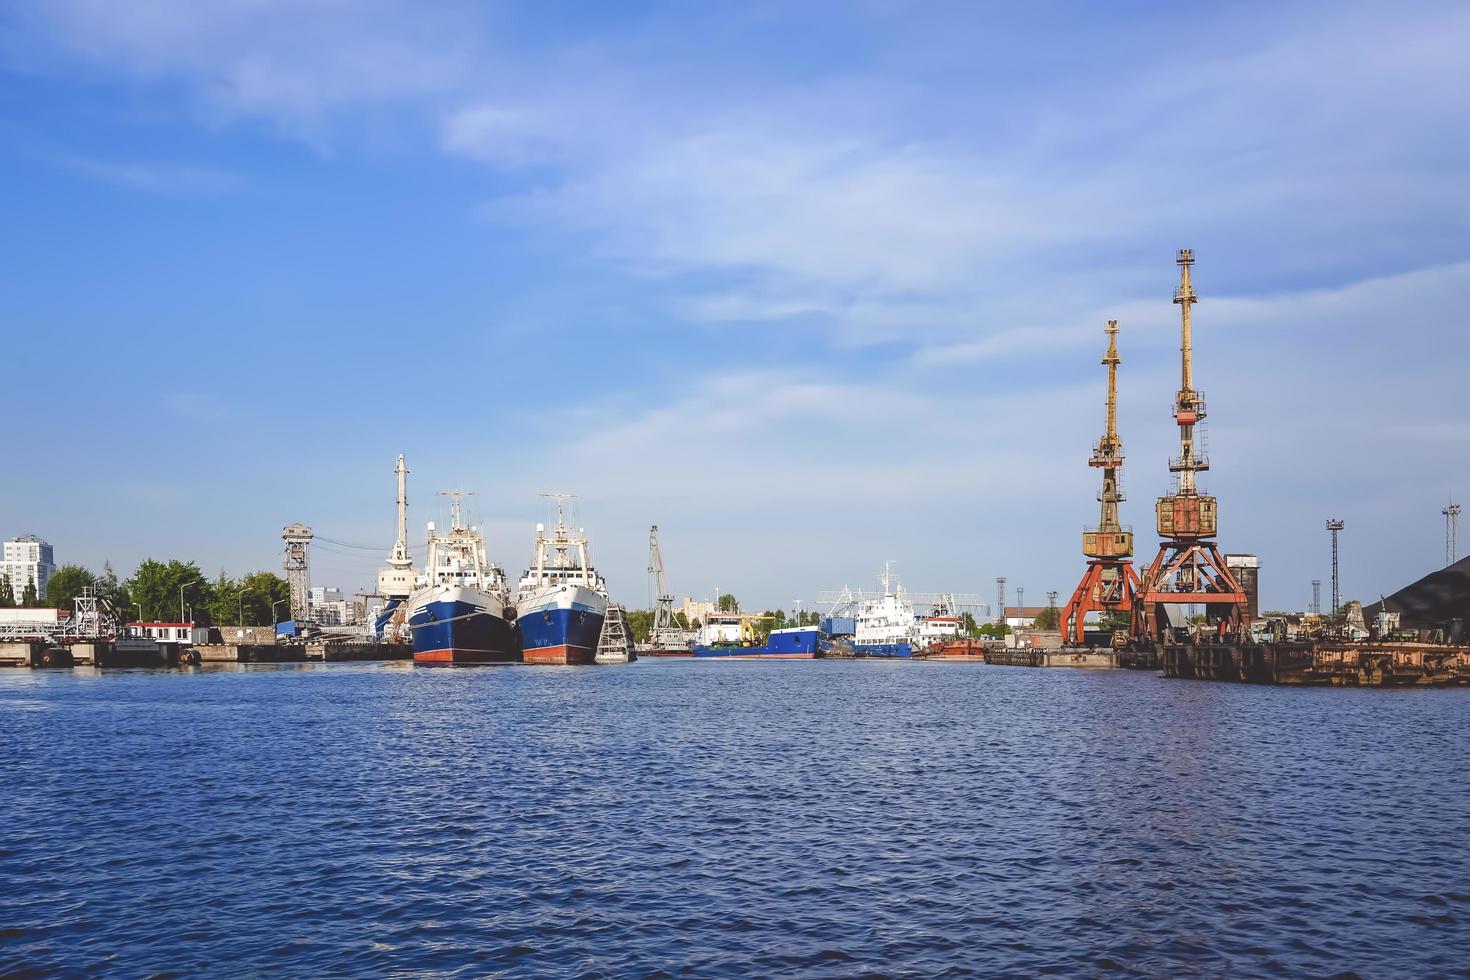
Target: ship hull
pixel 799 644
pixel 883 650
pixel 461 626
pixel 561 626
pixel 740 653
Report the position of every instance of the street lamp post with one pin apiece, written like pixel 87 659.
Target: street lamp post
pixel 273 611
pixel 181 604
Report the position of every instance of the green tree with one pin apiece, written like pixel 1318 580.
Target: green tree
pixel 967 623
pixel 112 594
pixel 226 601
pixel 1049 618
pixel 7 593
pixel 65 584
pixel 262 590
pixel 727 603
pixel 28 598
pixel 681 619
pixel 1114 621
pixel 160 588
pixel 640 622
pixel 995 631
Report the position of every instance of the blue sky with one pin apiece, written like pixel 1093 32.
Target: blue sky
pixel 810 286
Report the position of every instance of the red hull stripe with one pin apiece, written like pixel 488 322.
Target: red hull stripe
pixel 562 653
pixel 459 655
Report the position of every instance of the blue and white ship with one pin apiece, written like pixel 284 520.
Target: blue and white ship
pixel 886 625
pixel 461 612
pixel 728 635
pixel 561 601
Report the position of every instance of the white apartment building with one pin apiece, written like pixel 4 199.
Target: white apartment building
pixel 27 559
pixel 693 609
pixel 329 607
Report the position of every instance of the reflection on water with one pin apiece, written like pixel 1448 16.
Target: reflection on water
pixel 753 818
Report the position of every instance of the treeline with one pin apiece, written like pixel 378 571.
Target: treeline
pixel 160 591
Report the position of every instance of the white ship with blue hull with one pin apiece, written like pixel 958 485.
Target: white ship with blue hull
pixel 561 601
pixel 461 613
pixel 886 626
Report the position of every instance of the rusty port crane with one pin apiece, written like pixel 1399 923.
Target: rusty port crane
pixel 1110 585
pixel 1189 569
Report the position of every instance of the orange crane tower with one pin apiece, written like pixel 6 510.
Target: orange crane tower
pixel 1109 585
pixel 1189 569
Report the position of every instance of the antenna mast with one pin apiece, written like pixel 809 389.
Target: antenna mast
pixel 1451 533
pixel 1334 526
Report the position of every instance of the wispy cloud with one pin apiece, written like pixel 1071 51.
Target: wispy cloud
pixel 166 179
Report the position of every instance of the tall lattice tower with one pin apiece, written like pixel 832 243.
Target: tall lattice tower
pixel 1451 533
pixel 1189 569
pixel 297 538
pixel 1335 527
pixel 1000 600
pixel 1110 585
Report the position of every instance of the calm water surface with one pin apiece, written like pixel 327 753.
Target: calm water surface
pixel 772 819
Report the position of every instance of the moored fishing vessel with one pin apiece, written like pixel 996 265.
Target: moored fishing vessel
pixel 460 614
pixel 561 601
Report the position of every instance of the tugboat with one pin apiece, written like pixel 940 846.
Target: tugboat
pixel 461 613
pixel 561 601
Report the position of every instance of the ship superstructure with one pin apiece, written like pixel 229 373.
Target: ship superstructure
pixel 460 613
pixel 561 600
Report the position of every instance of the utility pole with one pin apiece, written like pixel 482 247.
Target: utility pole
pixel 1316 597
pixel 1334 526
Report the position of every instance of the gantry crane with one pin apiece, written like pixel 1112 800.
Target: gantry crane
pixel 1110 585
pixel 665 633
pixel 1189 569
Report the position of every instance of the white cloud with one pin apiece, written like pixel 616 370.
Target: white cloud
pixel 291 61
pixel 166 179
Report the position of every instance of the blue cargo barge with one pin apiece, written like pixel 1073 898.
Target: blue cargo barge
pixel 793 643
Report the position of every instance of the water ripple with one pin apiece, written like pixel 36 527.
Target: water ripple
pixel 677 819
